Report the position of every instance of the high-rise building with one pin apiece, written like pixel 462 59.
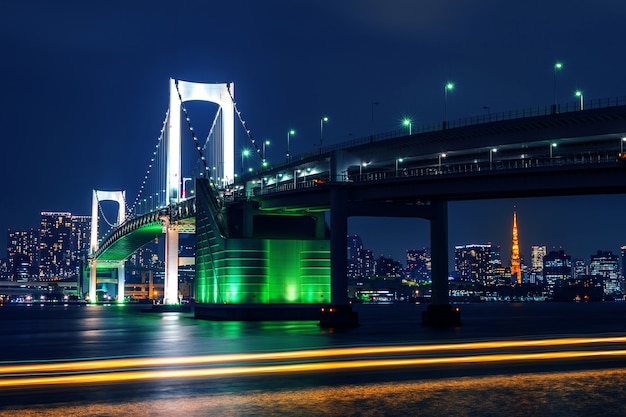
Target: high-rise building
pixel 472 263
pixel 537 252
pixel 418 264
pixel 557 266
pixel 605 264
pixel 516 270
pixel 22 254
pixel 355 256
pixel 55 245
pixel 80 241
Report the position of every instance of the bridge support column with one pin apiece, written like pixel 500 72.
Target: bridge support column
pixel 92 281
pixel 339 313
pixel 121 282
pixel 440 312
pixel 170 290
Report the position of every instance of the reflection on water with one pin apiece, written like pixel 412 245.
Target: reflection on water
pixel 554 394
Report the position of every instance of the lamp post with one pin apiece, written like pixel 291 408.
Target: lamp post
pixel 552 145
pixel 398 160
pixel 322 120
pixel 289 133
pixel 448 86
pixel 557 67
pixel 361 166
pixel 295 178
pixel 407 122
pixel 265 143
pixel 580 95
pixel 244 154
pixel 621 145
pixel 491 152
pixel 441 155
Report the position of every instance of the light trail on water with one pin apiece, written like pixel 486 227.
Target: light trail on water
pixel 24 374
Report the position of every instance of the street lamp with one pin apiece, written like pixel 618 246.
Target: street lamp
pixel 557 67
pixel 441 155
pixel 580 94
pixel 491 152
pixel 322 120
pixel 621 145
pixel 448 86
pixel 289 133
pixel 245 153
pixel 407 122
pixel 398 160
pixel 361 166
pixel 552 145
pixel 265 143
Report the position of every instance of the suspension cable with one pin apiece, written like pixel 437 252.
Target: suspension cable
pixel 243 123
pixel 150 165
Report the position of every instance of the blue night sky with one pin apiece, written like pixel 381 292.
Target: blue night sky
pixel 85 90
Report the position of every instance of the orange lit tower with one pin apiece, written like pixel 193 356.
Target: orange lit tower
pixel 516 270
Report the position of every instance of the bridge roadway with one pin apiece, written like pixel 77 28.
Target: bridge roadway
pixel 572 153
pixel 575 153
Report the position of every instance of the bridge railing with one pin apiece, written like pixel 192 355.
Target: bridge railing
pixel 481 119
pixel 385 173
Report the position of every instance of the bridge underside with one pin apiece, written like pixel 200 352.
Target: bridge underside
pixel 127 244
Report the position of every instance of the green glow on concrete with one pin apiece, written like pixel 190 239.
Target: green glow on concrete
pixel 265 271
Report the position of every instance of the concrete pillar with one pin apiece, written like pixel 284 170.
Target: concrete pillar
pixel 440 312
pixel 121 282
pixel 338 256
pixel 92 281
pixel 439 251
pixel 170 290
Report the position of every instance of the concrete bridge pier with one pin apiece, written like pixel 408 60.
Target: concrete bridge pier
pixel 339 313
pixel 440 312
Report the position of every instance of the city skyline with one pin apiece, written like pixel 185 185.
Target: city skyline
pixel 87 90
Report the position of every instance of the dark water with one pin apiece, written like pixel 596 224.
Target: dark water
pixel 581 387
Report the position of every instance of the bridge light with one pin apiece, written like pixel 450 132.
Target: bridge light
pixel 407 122
pixel 580 95
pixel 446 87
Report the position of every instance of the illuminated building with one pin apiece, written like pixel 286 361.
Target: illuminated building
pixel 516 270
pixel 22 254
pixel 557 266
pixel 55 245
pixel 355 257
pixel 418 264
pixel 623 253
pixel 473 263
pixel 605 264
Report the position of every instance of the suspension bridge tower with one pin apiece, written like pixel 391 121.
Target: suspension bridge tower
pixel 120 198
pixel 224 169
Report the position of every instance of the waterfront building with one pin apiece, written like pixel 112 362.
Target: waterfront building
pixel 557 266
pixel 418 264
pixel 537 252
pixel 472 263
pixel 355 257
pixel 22 254
pixel 604 264
pixel 581 268
pixel 55 245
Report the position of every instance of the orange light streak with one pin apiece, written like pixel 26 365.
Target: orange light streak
pixel 85 365
pixel 302 367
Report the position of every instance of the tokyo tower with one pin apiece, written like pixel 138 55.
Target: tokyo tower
pixel 516 271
